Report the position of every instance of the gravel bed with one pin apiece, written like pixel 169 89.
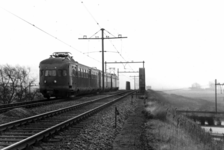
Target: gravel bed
pixel 97 132
pixel 20 113
pixel 43 109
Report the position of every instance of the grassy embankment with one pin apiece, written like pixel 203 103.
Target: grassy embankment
pixel 165 130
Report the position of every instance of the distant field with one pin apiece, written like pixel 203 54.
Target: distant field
pixel 203 94
pixel 195 100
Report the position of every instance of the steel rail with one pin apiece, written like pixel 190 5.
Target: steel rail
pixel 7 107
pixel 50 130
pixel 48 114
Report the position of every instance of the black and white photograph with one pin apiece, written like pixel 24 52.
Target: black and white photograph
pixel 111 75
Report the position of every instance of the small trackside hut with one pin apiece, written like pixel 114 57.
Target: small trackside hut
pixel 62 76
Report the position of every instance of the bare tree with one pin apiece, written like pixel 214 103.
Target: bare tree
pixel 195 86
pixel 15 83
pixel 24 83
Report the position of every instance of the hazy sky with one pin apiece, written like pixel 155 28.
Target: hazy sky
pixel 180 41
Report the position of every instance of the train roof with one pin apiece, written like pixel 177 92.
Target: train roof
pixel 59 57
pixel 66 58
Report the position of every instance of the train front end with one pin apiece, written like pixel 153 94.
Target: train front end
pixel 54 75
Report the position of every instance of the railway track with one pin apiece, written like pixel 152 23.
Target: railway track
pixel 22 133
pixel 6 107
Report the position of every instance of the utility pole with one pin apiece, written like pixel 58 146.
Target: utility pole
pixel 102 38
pixel 134 79
pixel 216 94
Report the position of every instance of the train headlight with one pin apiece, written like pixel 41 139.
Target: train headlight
pixel 45 81
pixel 55 81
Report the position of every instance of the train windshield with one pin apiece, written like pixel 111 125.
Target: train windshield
pixel 50 73
pixel 53 73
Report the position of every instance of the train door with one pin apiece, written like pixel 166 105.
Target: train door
pixel 112 84
pixel 70 75
pixel 90 78
pixel 99 78
pixel 74 76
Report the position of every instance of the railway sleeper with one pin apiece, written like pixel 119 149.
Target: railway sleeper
pixel 9 140
pixel 27 129
pixel 4 144
pixel 34 130
pixel 12 136
pixel 18 134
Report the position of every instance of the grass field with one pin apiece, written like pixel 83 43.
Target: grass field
pixel 166 130
pixel 195 99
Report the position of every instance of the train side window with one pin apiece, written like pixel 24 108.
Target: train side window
pixel 59 73
pixel 84 73
pixel 87 72
pixel 64 73
pixel 79 72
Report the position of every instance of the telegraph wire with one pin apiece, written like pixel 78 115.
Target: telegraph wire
pixel 49 34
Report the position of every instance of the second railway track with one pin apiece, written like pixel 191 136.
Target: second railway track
pixel 25 132
pixel 30 104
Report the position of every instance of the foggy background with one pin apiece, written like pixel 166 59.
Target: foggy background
pixel 181 42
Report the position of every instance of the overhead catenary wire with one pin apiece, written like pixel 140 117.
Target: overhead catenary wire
pixel 90 14
pixel 117 49
pixel 48 34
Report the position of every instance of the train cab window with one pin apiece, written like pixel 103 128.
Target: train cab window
pixel 46 73
pixel 50 73
pixel 53 73
pixel 64 73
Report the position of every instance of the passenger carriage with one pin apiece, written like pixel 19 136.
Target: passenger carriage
pixel 62 76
